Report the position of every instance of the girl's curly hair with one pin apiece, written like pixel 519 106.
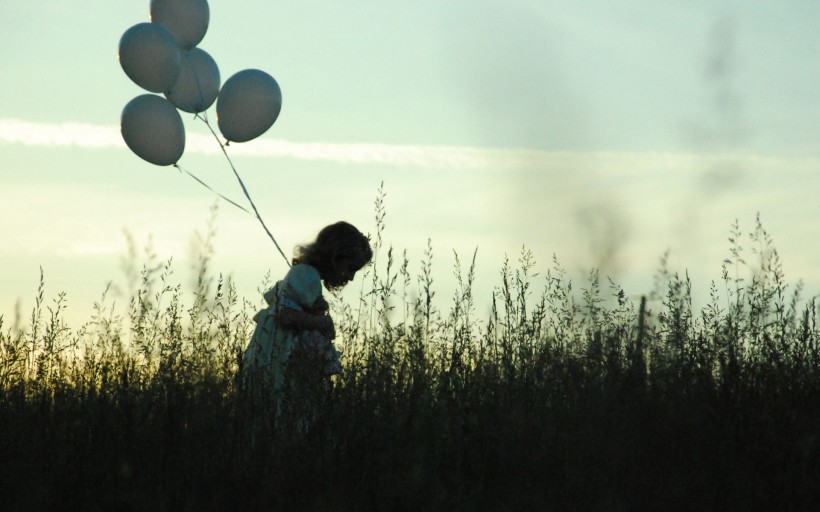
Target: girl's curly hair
pixel 334 242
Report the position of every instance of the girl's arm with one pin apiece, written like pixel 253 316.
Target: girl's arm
pixel 301 321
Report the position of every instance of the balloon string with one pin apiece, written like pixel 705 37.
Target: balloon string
pixel 180 169
pixel 198 87
pixel 204 118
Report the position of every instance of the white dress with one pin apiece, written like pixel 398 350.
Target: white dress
pixel 266 358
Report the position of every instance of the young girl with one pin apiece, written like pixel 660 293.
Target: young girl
pixel 291 352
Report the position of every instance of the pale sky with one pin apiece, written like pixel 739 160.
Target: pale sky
pixel 604 132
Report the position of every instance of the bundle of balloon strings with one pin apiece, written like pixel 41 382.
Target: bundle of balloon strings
pixel 204 118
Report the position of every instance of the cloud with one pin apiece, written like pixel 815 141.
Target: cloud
pixel 610 163
pixel 16 131
pixel 88 136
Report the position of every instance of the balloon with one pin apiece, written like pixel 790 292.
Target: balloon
pixel 153 129
pixel 149 57
pixel 248 105
pixel 186 20
pixel 198 83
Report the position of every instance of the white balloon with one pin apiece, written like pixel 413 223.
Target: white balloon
pixel 150 57
pixel 186 20
pixel 248 105
pixel 153 129
pixel 198 83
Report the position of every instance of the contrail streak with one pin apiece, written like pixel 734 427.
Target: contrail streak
pixel 89 136
pixel 81 135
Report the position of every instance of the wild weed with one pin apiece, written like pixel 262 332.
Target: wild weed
pixel 566 395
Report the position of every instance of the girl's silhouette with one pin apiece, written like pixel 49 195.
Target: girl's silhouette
pixel 291 354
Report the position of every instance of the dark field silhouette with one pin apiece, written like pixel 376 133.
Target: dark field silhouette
pixel 560 399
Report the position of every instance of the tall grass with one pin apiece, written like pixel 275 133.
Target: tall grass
pixel 564 397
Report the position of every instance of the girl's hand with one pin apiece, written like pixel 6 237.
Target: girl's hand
pixel 304 321
pixel 321 305
pixel 328 329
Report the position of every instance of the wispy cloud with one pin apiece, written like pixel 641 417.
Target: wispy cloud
pixel 89 136
pixel 16 131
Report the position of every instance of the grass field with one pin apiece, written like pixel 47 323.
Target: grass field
pixel 566 397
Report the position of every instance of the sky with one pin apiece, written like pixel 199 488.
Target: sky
pixel 604 133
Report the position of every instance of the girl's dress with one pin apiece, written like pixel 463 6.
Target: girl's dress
pixel 265 361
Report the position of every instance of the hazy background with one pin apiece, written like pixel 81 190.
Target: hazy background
pixel 604 132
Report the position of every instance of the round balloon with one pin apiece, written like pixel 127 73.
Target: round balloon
pixel 248 105
pixel 186 20
pixel 153 129
pixel 198 83
pixel 149 57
